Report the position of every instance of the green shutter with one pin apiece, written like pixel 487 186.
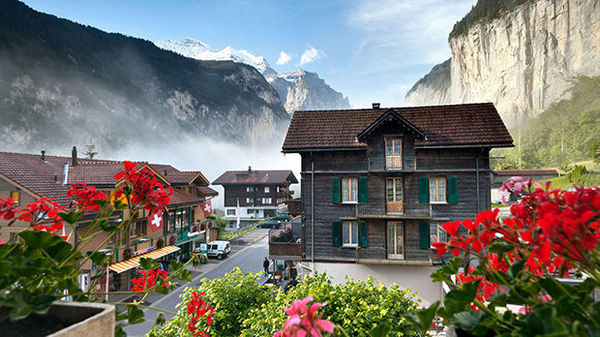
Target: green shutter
pixel 336 233
pixel 424 189
pixel 362 190
pixel 363 234
pixel 452 190
pixel 336 190
pixel 424 235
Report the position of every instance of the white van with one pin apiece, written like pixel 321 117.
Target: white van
pixel 220 249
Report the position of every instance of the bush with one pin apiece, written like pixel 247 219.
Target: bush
pixel 232 297
pixel 243 308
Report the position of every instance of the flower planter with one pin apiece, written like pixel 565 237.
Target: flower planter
pixel 66 319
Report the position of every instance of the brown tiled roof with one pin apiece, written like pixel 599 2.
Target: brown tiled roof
pixel 524 173
pixel 256 177
pixel 38 177
pixel 180 197
pixel 444 125
pixel 207 191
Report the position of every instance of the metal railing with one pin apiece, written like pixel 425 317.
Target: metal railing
pixel 407 210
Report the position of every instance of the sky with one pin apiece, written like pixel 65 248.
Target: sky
pixel 370 50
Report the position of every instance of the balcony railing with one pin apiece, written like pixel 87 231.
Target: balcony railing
pixel 382 164
pixel 284 244
pixel 409 211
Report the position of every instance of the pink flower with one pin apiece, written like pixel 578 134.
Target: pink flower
pixel 302 321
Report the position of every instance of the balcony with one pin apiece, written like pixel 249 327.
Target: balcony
pixel 412 164
pixel 284 244
pixel 409 211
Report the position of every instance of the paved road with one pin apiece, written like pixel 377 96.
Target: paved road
pixel 247 253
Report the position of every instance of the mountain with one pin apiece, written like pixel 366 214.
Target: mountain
pixel 303 90
pixel 63 83
pixel 298 90
pixel 199 50
pixel 523 55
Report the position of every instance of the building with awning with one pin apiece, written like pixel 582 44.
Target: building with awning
pixel 134 262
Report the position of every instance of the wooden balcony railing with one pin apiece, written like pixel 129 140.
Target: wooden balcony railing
pixel 410 211
pixel 285 250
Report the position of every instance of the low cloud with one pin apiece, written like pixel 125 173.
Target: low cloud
pixel 283 58
pixel 311 54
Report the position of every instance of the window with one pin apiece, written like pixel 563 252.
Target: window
pixel 395 240
pixel 133 229
pixel 15 196
pixel 437 189
pixel 142 228
pixel 231 212
pixel 266 200
pixel 350 233
pixel 393 152
pixel 249 200
pixel 394 195
pixel 267 189
pixel 13 238
pixel 436 232
pixel 249 189
pixel 349 190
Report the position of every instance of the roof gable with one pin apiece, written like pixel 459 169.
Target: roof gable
pixel 459 125
pixel 256 177
pixel 390 116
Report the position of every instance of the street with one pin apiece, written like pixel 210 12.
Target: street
pixel 247 253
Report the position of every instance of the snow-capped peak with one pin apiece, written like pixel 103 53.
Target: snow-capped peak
pixel 201 51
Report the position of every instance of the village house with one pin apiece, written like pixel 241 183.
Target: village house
pixel 377 184
pixel 28 177
pixel 255 195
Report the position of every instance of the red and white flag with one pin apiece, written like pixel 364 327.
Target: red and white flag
pixel 156 220
pixel 207 208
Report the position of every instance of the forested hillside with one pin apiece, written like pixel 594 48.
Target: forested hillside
pixel 484 11
pixel 562 134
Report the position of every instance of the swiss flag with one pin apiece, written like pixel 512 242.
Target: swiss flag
pixel 156 220
pixel 207 208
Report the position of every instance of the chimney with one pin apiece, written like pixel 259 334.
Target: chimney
pixel 249 169
pixel 166 173
pixel 376 105
pixel 66 173
pixel 74 156
pixel 43 157
pixel 55 178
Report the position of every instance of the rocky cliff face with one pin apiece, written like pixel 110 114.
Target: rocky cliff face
pixel 303 90
pixel 523 61
pixel 298 90
pixel 63 83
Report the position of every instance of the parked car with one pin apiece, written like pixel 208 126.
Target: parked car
pixel 218 249
pixel 269 224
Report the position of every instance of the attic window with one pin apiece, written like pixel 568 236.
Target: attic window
pixel 15 196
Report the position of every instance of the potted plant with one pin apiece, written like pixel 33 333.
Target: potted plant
pixel 40 267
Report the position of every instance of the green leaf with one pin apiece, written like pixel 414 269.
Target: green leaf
pixel 185 275
pixel 103 203
pixel 160 319
pixel 105 226
pixel 161 289
pixel 119 332
pixel 97 257
pixel 468 320
pixel 381 330
pixel 71 217
pixel 40 240
pixel 134 314
pixel 119 315
pixel 148 263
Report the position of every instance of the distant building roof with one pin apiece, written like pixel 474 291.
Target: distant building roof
pixel 45 177
pixel 525 173
pixel 256 177
pixel 207 191
pixel 442 126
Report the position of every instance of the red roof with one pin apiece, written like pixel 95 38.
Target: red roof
pixel 256 177
pixel 45 178
pixel 525 173
pixel 180 197
pixel 207 191
pixel 443 125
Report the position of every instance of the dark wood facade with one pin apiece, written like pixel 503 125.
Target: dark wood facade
pixel 278 193
pixel 467 168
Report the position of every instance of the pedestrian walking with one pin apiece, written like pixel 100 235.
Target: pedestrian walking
pixel 266 265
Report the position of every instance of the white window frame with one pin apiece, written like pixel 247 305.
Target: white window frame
pixel 249 189
pixel 349 191
pixel 434 198
pixel 352 229
pixel 249 200
pixel 266 200
pixel 267 189
pixel 437 233
pixel 231 211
